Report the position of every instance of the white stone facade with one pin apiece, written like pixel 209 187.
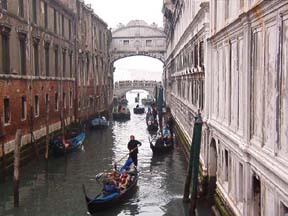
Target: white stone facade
pixel 185 65
pixel 247 110
pixel 245 135
pixel 138 38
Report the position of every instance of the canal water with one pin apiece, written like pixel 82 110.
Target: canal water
pixel 55 188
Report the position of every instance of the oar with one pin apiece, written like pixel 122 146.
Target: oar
pixel 101 173
pixel 152 139
pixel 127 154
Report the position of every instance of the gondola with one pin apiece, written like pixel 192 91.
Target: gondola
pixel 58 147
pixel 108 201
pixel 152 124
pixel 139 110
pixel 159 146
pixel 99 123
pixel 121 114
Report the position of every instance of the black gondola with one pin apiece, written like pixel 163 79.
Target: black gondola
pixel 121 114
pixel 139 110
pixel 159 145
pixel 152 124
pixel 107 201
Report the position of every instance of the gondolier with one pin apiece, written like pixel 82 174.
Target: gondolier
pixel 132 146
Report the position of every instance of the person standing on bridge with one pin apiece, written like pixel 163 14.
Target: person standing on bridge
pixel 133 149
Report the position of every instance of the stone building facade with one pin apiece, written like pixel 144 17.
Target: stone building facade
pixel 44 75
pixel 244 142
pixel 247 113
pixel 186 24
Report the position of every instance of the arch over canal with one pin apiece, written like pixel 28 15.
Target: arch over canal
pixel 138 38
pixel 122 87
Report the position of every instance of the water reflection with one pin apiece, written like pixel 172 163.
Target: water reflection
pixel 55 188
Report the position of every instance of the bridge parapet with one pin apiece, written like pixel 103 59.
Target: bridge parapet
pixel 122 87
pixel 135 84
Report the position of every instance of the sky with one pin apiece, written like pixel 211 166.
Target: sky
pixel 114 12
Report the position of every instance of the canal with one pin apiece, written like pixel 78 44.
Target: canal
pixel 55 188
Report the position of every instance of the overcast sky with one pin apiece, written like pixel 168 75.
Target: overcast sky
pixel 114 12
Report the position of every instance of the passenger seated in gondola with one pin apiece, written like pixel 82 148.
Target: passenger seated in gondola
pixel 166 134
pixel 66 143
pixel 124 180
pixel 110 184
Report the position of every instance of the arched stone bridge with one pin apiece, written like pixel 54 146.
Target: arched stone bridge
pixel 122 87
pixel 138 38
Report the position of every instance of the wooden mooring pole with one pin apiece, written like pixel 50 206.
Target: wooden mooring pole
pixel 3 163
pixel 16 167
pixel 193 168
pixel 47 130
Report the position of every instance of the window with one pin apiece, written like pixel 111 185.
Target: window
pixel 64 63
pixel 71 98
pixel 5 53
pixel 196 55
pixel 241 182
pixel 55 21
pixel 70 29
pixel 6 111
pixel 226 165
pixel 47 59
pixel 23 108
pixel 64 100
pixel 22 50
pixel 56 61
pixel 63 25
pixel 148 42
pixel 125 42
pixel 227 9
pixel 91 101
pixel 201 54
pixel 45 15
pixel 36 58
pixel 56 102
pixel 71 64
pixel 34 11
pixel 4 4
pixel 36 106
pixel 88 66
pixel 47 103
pixel 21 8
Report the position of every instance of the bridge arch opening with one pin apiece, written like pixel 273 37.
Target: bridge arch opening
pixel 138 68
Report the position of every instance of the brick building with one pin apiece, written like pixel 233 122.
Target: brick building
pixel 54 67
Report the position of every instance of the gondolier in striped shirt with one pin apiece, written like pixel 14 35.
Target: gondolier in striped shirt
pixel 133 149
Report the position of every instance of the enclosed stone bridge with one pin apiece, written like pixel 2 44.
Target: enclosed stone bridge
pixel 122 87
pixel 138 38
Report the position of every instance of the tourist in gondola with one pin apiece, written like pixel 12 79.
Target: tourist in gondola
pixel 166 134
pixel 66 143
pixel 133 149
pixel 170 124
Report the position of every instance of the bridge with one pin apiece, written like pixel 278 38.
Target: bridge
pixel 138 38
pixel 122 87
